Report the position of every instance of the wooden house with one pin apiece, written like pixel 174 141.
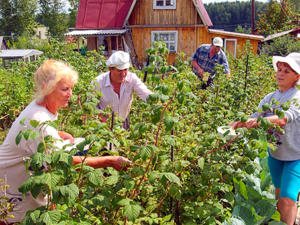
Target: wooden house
pixel 133 25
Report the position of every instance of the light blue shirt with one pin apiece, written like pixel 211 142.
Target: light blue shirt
pixel 289 147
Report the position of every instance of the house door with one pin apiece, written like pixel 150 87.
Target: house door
pixel 230 46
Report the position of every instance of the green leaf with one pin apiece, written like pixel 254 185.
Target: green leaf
pixel 26 134
pixel 95 177
pixel 265 208
pixel 243 189
pixel 35 215
pixel 41 148
pixel 19 137
pixel 112 180
pixel 34 123
pixel 22 121
pixel 132 211
pixel 172 178
pixel 244 213
pixel 124 202
pixel 34 134
pixel 201 163
pixel 170 122
pixel 266 107
pixel 36 161
pixel 51 217
pixel 70 191
pixel 175 191
pixel 279 113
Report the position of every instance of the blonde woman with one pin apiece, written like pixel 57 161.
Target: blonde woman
pixel 54 81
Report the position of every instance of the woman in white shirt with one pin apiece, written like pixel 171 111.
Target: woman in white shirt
pixel 54 81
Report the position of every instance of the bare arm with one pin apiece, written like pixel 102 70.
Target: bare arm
pixel 117 162
pixel 65 136
pixel 198 68
pixel 252 122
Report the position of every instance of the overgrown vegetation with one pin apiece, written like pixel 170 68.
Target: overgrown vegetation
pixel 183 173
pixel 281 46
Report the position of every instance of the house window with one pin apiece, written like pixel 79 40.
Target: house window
pixel 164 4
pixel 230 46
pixel 169 37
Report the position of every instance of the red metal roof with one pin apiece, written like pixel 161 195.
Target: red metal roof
pixel 203 13
pixel 102 14
pixel 108 14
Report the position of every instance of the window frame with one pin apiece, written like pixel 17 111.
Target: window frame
pixel 155 6
pixel 235 44
pixel 166 32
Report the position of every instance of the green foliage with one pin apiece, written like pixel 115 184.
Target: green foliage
pixel 17 17
pixel 5 207
pixel 230 15
pixel 51 15
pixel 183 171
pixel 281 46
pixel 240 29
pixel 279 17
pixel 74 5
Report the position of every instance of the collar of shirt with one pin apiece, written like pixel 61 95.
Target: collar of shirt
pixel 107 82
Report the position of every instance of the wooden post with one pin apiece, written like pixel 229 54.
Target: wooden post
pixel 117 42
pixel 252 16
pixel 109 45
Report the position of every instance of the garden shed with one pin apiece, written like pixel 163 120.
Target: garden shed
pixel 27 55
pixel 182 24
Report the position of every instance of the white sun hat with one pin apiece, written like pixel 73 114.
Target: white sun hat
pixel 217 41
pixel 293 59
pixel 119 59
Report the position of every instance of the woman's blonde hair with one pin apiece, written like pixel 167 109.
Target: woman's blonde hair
pixel 49 74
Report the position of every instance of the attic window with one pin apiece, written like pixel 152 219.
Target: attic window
pixel 164 4
pixel 169 37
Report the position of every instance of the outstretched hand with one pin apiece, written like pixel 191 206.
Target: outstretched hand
pixel 250 123
pixel 120 163
pixel 66 136
pixel 117 162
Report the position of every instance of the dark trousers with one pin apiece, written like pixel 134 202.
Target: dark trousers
pixel 209 83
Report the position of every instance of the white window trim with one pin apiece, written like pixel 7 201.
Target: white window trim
pixel 168 32
pixel 235 45
pixel 164 7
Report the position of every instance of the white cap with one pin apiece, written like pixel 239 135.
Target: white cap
pixel 293 59
pixel 217 41
pixel 119 59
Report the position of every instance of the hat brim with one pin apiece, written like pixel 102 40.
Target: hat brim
pixel 218 45
pixel 287 60
pixel 123 66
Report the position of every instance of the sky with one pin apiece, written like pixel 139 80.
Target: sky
pixel 211 1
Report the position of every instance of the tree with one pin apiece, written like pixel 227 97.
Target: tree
pixel 52 16
pixel 74 5
pixel 240 29
pixel 17 17
pixel 228 15
pixel 278 17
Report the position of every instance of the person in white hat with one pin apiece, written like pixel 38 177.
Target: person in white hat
pixel 205 58
pixel 284 162
pixel 118 84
